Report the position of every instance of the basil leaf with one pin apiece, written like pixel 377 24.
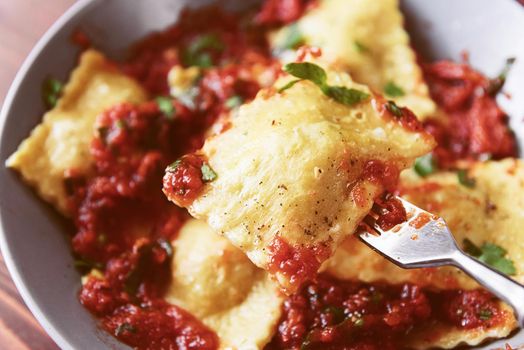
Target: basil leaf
pixel 206 41
pixel 394 109
pixel 196 55
pixel 51 91
pixel 496 84
pixel 464 179
pixel 308 71
pixel 425 165
pixel 393 90
pixel 470 248
pixel 485 314
pixel 360 47
pixel 288 85
pixel 492 255
pixel 208 174
pixel 165 104
pixel 233 102
pixel 346 95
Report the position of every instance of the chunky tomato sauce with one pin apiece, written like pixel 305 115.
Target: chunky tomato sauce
pixel 124 224
pixel 334 314
pixel 475 127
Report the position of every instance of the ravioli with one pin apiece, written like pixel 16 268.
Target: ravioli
pixel 297 171
pixel 217 283
pixel 61 142
pixel 367 38
pixel 488 212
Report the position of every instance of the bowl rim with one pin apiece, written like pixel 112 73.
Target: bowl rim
pixel 75 10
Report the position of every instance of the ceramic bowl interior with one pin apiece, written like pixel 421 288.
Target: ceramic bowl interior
pixel 34 239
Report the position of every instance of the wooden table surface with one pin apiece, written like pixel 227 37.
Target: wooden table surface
pixel 22 23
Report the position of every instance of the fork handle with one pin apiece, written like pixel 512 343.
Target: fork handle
pixel 497 283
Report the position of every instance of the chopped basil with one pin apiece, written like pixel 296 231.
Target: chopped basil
pixel 394 109
pixel 308 71
pixel 492 255
pixel 125 327
pixel 425 165
pixel 336 312
pixel 166 246
pixel 171 168
pixel 288 85
pixel 121 124
pixel 293 39
pixel 206 41
pixel 84 264
pixel 51 91
pixel 360 47
pixel 196 53
pixel 208 174
pixel 393 90
pixel 359 322
pixel 464 179
pixel 165 104
pixel 485 314
pixel 317 75
pixel 234 101
pixel 496 84
pixel 346 96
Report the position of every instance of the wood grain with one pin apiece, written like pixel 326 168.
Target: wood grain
pixel 22 23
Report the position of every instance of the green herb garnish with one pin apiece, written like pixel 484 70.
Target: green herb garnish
pixel 208 174
pixel 485 314
pixel 51 91
pixel 393 90
pixel 294 38
pixel 288 85
pixel 360 47
pixel 496 84
pixel 492 255
pixel 359 322
pixel 317 75
pixel 124 327
pixel 338 313
pixel 425 165
pixel 394 109
pixel 464 179
pixel 84 264
pixel 121 124
pixel 308 71
pixel 165 104
pixel 197 53
pixel 171 168
pixel 234 101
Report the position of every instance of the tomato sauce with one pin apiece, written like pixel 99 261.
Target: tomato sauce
pixel 475 126
pixel 124 224
pixel 334 314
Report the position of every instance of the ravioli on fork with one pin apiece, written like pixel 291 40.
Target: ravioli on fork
pixel 296 170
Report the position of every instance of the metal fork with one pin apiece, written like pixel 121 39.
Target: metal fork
pixel 425 241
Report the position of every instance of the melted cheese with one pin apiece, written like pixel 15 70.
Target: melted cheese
pixel 61 142
pixel 488 212
pixel 368 39
pixel 217 283
pixel 291 166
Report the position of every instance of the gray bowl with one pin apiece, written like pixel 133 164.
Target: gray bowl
pixel 34 239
